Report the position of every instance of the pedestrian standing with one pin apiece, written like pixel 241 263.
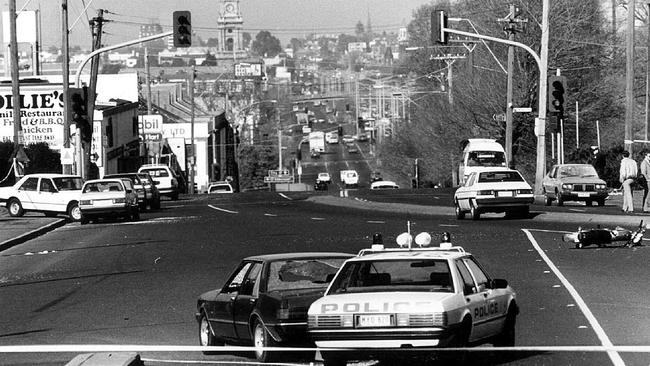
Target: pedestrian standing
pixel 627 175
pixel 645 172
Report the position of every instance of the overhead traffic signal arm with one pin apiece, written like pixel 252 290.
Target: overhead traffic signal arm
pixel 182 28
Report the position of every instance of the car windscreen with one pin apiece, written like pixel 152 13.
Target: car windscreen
pixel 431 275
pixel 492 177
pixel 157 172
pixel 578 171
pixel 68 183
pixel 302 273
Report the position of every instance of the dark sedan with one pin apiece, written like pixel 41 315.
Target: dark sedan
pixel 145 187
pixel 264 303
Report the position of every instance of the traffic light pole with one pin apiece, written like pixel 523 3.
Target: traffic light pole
pixel 540 122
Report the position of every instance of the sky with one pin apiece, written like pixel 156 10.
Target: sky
pixel 283 18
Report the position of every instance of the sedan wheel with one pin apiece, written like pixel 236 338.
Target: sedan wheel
pixel 206 338
pixel 15 208
pixel 474 212
pixel 547 199
pixel 560 201
pixel 261 340
pixel 74 211
pixel 460 214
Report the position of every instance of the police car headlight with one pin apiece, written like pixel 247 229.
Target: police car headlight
pixel 347 321
pixel 423 239
pixel 402 320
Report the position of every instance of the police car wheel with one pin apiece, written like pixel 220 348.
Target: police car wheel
pixel 261 340
pixel 507 336
pixel 333 359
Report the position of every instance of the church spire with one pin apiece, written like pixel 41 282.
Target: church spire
pixel 368 26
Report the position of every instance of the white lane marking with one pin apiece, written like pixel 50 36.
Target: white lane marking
pixel 600 332
pixel 577 210
pixel 270 215
pixel 222 209
pixel 448 225
pixel 285 196
pixel 176 206
pixel 318 218
pixel 375 222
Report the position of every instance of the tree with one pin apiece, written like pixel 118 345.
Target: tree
pixel 296 44
pixel 246 38
pixel 359 30
pixel 266 45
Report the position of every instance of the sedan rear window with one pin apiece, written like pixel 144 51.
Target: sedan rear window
pixel 490 177
pixel 302 273
pixel 157 172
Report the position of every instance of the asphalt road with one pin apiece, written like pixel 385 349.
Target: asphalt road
pixel 136 283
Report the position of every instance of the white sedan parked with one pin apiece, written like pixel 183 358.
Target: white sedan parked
pixel 50 194
pixel 494 191
pixel 324 177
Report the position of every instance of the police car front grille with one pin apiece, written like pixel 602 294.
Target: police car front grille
pixel 324 321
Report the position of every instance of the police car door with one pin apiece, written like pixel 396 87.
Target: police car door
pixel 496 301
pixel 475 301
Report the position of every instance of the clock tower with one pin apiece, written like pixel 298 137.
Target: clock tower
pixel 229 26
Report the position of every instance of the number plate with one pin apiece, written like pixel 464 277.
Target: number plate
pixel 375 320
pixel 102 203
pixel 584 194
pixel 504 193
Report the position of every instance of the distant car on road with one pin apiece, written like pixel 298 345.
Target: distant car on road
pixel 384 184
pixel 320 186
pixel 502 190
pixel 220 187
pixel 347 139
pixel 324 177
pixel 264 302
pixel 50 194
pixel 362 137
pixel 108 198
pixel 315 154
pixel 574 182
pixel 352 148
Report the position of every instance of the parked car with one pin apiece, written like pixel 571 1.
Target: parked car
pixel 315 154
pixel 113 197
pixel 574 182
pixel 362 137
pixel 265 301
pixel 347 139
pixel 220 187
pixel 384 184
pixel 165 179
pixel 352 148
pixel 50 194
pixel 375 177
pixel 421 298
pixel 502 190
pixel 324 177
pixel 148 194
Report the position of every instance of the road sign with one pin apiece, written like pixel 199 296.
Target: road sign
pixel 522 110
pixel 67 156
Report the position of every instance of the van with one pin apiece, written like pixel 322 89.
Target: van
pixel 480 154
pixel 349 178
pixel 164 178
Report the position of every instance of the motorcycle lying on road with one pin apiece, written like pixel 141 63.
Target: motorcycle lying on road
pixel 603 236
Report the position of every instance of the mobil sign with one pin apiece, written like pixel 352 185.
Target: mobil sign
pixel 150 127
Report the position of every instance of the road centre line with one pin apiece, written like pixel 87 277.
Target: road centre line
pixel 270 215
pixel 600 332
pixel 222 209
pixel 285 196
pixel 375 222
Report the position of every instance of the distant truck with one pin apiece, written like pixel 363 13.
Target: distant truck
pixel 480 154
pixel 350 178
pixel 317 141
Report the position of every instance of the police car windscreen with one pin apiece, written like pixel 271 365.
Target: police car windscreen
pixel 394 275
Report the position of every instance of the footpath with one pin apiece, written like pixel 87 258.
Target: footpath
pixel 17 230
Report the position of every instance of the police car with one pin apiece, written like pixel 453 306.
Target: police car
pixel 409 297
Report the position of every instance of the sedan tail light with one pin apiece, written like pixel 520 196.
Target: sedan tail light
pixel 86 202
pixel 486 192
pixel 119 200
pixel 524 191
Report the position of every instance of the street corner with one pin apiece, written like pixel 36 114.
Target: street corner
pixel 17 230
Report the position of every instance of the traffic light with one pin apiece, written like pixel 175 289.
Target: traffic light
pixel 77 105
pixel 438 25
pixel 182 28
pixel 556 94
pixel 298 154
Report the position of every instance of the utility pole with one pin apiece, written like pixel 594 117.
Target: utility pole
pixel 540 123
pixel 85 146
pixel 147 72
pixel 629 76
pixel 15 85
pixel 647 80
pixel 65 65
pixel 193 155
pixel 449 60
